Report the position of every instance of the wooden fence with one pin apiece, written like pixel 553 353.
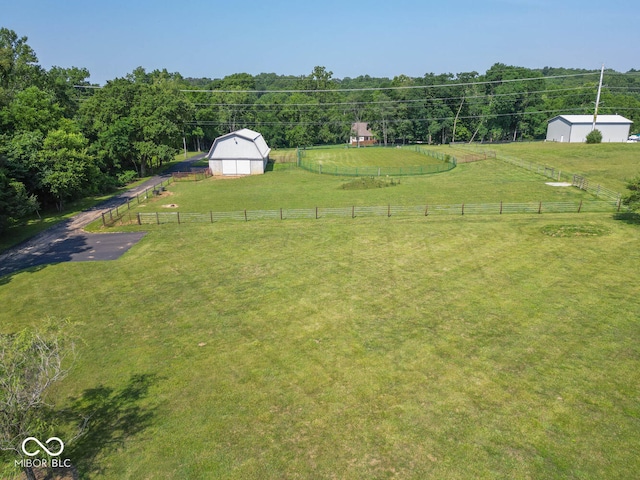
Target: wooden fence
pixel 115 214
pixel 147 218
pixel 193 175
pixel 552 173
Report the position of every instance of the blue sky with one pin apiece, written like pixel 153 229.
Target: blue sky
pixel 200 38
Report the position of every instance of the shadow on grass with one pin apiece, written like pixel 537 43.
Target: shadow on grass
pixel 6 278
pixel 632 218
pixel 110 417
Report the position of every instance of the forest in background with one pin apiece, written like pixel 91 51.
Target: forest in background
pixel 62 137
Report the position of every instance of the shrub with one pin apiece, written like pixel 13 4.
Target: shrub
pixel 127 176
pixel 633 198
pixel 595 136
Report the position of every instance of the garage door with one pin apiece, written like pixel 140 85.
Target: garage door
pixel 229 167
pixel 244 167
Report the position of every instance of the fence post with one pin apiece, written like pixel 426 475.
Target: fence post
pixel 426 210
pixel 580 206
pixel 500 207
pixel 157 219
pixel 139 222
pixel 245 215
pixel 280 213
pixel 389 210
pixel 353 211
pixel 211 215
pixel 540 208
pixel 104 223
pixel 178 217
pixel 316 213
pixel 463 209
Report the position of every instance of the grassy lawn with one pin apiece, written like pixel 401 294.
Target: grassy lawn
pixel 462 348
pixel 481 182
pixel 612 164
pixel 369 156
pixel 427 347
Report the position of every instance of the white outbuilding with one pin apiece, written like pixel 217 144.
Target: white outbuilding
pixel 575 128
pixel 243 152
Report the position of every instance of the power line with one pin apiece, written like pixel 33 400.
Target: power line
pixel 428 119
pixel 383 102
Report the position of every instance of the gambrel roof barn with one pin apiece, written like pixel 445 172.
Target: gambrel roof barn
pixel 575 128
pixel 243 152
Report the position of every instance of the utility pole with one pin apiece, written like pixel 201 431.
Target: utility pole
pixel 595 112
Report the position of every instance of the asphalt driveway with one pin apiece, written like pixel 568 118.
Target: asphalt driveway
pixel 76 247
pixel 67 242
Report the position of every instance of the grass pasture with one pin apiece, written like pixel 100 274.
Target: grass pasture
pixel 344 156
pixel 612 164
pixel 489 181
pixel 438 347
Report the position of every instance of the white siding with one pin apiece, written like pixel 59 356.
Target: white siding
pixel 558 131
pixel 575 128
pixel 243 152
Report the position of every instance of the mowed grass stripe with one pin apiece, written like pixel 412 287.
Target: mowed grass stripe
pixel 369 156
pixel 451 349
pixel 490 181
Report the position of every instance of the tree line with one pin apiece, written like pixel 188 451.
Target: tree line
pixel 62 138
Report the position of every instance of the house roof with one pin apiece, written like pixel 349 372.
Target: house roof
pixel 588 119
pixel 361 129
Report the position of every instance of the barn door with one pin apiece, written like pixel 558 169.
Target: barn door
pixel 229 167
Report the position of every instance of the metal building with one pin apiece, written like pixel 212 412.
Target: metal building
pixel 243 152
pixel 575 128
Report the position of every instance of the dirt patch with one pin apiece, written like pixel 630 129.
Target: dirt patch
pixel 558 184
pixel 170 205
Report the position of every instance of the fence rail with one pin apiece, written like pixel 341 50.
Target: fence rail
pixel 192 175
pixel 117 213
pixel 555 174
pixel 448 163
pixel 149 218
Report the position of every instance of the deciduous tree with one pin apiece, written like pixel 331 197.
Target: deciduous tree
pixel 31 362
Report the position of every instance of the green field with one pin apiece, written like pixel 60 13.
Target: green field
pixel 369 156
pixel 481 182
pixel 611 164
pixel 433 347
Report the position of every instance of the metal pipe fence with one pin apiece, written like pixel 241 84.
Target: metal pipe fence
pixel 501 208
